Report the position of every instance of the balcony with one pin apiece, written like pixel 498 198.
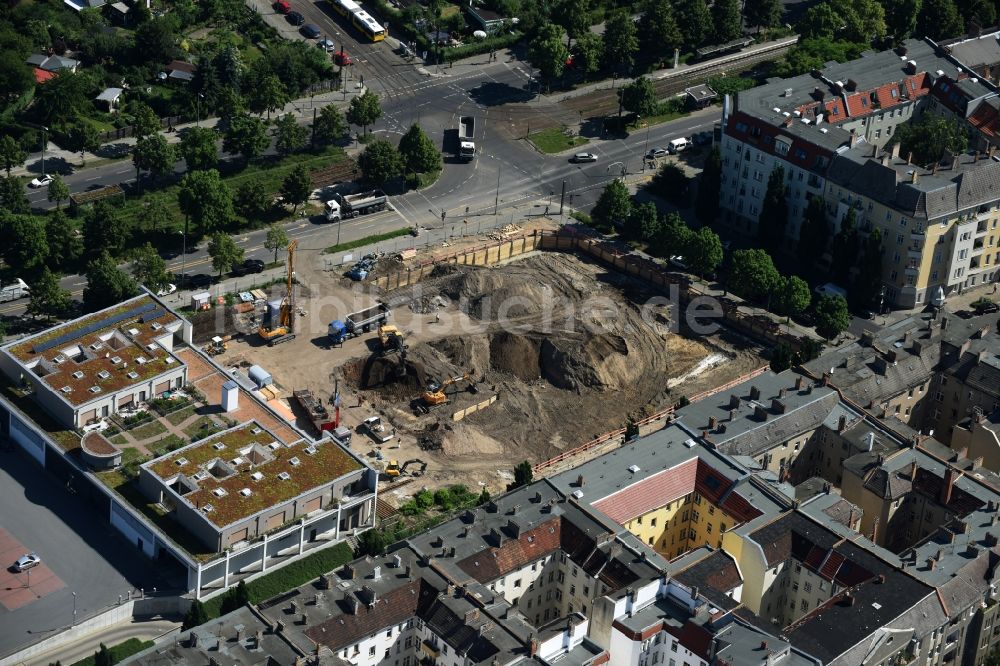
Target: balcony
pixel 430 650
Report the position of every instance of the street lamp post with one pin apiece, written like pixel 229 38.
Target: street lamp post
pixel 198 106
pixel 44 143
pixel 74 609
pixel 645 149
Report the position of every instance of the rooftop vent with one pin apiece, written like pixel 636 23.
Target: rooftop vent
pixel 132 374
pixel 311 450
pixel 116 359
pixel 776 110
pixel 156 326
pixel 140 360
pixel 220 492
pixel 255 431
pixel 97 345
pixel 256 476
pixel 274 446
pixel 168 360
pixel 207 508
pixel 633 468
pixel 180 462
pixel 294 461
pixel 690 443
pixel 284 476
pixel 66 389
pixel 578 494
pixel 218 446
pixel 104 374
pixel 78 374
pixel 788 92
pixel 59 359
pixel 95 389
pixel 151 346
pixel 133 331
pixel 246 492
pixel 237 460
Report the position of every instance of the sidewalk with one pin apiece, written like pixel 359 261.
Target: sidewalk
pixel 144 630
pixel 301 108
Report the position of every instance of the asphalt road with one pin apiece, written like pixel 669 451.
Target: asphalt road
pixel 81 548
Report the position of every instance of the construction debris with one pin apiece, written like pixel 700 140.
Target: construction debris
pixel 504 232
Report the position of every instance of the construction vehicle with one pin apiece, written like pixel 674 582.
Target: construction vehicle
pixel 279 316
pixel 217 345
pixel 319 415
pixel 436 391
pixel 466 138
pixel 376 429
pixel 392 469
pixel 342 206
pixel 390 338
pixel 363 320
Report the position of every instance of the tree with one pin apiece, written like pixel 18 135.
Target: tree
pixel 11 154
pixel 621 40
pixel 380 162
pixel 811 53
pixel 859 20
pixel 753 274
pixel 706 207
pixel 548 53
pixel 832 317
pixel 703 252
pixel 296 187
pixel 364 110
pixel 149 268
pixel 224 251
pixel 523 475
pixel 252 199
pixel 25 244
pixel 614 206
pixel 65 246
pixel 234 598
pixel 672 237
pixel 846 247
pixel 901 17
pixel 978 12
pixel 107 284
pixel 198 148
pixel 155 41
pixel 12 197
pixel 930 136
pixel 671 183
pixel 639 97
pixel 48 299
pixel 104 230
pixel 588 53
pixel 419 153
pixel 330 126
pixel 153 154
pixel 657 30
pixel 643 223
pixel 64 98
pixel 762 13
pixel 145 122
pixel 195 616
pixel 694 20
pixel 246 136
pixel 155 215
pixel 290 137
pixel 726 20
pixel 774 211
pixel 782 357
pixel 268 94
pixel 103 657
pixel 204 198
pixel 820 21
pixel 82 138
pixel 938 19
pixel 58 190
pixel 370 543
pixel 573 16
pixel 867 285
pixel 792 295
pixel 276 240
pixel 813 235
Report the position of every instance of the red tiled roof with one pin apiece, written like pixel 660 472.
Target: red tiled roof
pixel 814 560
pixel 984 119
pixel 831 565
pixel 513 554
pixel 917 85
pixel 650 493
pixel 41 76
pixel 888 95
pixel 859 104
pixel 835 110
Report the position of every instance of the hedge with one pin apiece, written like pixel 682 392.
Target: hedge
pixel 290 576
pixel 119 652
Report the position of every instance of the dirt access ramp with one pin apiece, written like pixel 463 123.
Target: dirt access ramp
pixel 566 345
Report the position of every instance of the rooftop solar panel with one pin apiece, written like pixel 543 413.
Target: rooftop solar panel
pixel 93 326
pixel 156 314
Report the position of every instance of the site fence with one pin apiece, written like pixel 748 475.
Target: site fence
pixel 472 409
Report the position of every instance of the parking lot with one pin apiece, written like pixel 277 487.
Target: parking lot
pixel 80 553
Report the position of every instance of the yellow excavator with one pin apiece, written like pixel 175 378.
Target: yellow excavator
pixel 218 345
pixel 390 338
pixel 435 394
pixel 279 319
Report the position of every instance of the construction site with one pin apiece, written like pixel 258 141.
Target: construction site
pixel 473 369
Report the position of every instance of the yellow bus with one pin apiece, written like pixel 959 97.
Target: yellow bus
pixel 363 21
pixel 345 7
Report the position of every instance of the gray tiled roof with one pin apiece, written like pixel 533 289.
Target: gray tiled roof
pixel 984 50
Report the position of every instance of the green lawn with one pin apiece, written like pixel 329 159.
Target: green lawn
pixel 148 430
pixel 203 427
pixel 656 120
pixel 181 415
pixel 119 652
pixel 167 444
pixel 367 240
pixel 555 140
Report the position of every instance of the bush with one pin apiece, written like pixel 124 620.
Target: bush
pixel 484 46
pixel 424 499
pixel 119 652
pixel 581 217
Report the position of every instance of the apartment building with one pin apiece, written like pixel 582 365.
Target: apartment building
pixel 97 365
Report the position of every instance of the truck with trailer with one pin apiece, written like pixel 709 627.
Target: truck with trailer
pixel 343 206
pixel 12 292
pixel 466 138
pixel 319 415
pixel 357 323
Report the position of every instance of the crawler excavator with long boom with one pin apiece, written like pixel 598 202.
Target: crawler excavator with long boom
pixel 279 318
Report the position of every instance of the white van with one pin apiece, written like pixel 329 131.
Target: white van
pixel 677 145
pixel 12 292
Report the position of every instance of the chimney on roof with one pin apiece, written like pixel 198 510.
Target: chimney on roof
pixel 193 639
pixel 754 393
pixel 913 471
pixel 763 645
pixel 990 539
pixel 913 174
pixel 894 150
pixel 854 139
pixel 732 414
pixel 948 486
pixel 934 168
pixel 407 571
pixel 875 151
pixel 842 423
pixel 976 158
pixel 931 563
pixel 848 598
pixel 909 157
pixel 581 481
pixel 734 401
pixel 781 392
pixel 353 604
pixel 911 67
pixel 880 579
pixel 826 379
pixel 279 627
pixel 799 381
pixel 712 422
pixel 944 323
pixel 777 406
pixel 258 638
pixel 760 413
pixel 377 573
pixel 954 162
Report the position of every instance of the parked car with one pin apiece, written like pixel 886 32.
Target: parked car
pixel 27 561
pixel 702 138
pixel 310 31
pixel 341 59
pixel 247 267
pixel 295 18
pixel 583 157
pixel 41 181
pixel 326 44
pixel 167 290
pixel 196 281
pixel 282 6
pixel 678 145
pixel 656 153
